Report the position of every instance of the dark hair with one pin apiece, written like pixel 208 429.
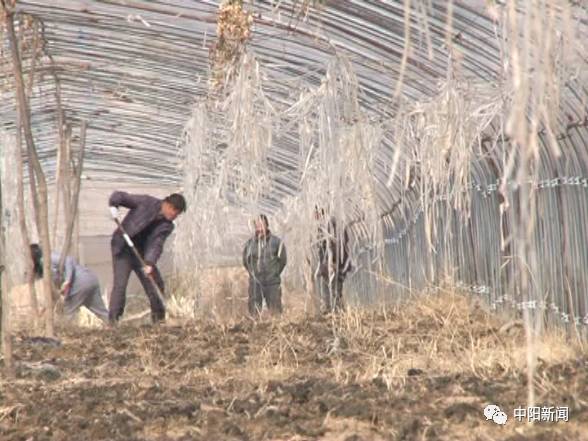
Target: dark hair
pixel 37 254
pixel 263 218
pixel 177 201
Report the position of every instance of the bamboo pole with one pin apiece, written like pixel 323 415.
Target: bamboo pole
pixel 41 204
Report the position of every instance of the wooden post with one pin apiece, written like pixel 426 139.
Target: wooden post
pixel 41 203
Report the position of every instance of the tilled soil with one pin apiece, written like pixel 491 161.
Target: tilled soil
pixel 272 380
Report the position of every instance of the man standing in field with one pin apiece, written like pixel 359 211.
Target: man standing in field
pixel 149 222
pixel 333 262
pixel 264 258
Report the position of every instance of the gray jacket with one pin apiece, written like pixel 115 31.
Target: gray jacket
pixel 265 259
pixel 80 278
pixel 69 269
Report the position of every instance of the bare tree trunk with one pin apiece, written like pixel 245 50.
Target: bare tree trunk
pixel 66 177
pixel 57 194
pixel 20 189
pixel 4 296
pixel 24 232
pixel 71 216
pixel 63 177
pixel 75 251
pixel 41 204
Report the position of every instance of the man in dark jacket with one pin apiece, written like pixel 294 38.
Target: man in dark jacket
pixel 333 262
pixel 148 223
pixel 264 258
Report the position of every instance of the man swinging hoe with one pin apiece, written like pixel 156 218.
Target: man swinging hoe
pixel 137 244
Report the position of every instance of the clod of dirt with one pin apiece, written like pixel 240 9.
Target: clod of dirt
pixel 232 429
pixel 461 410
pixel 42 341
pixel 40 371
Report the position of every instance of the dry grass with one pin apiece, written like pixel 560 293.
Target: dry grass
pixel 216 293
pixel 233 31
pixel 421 371
pixel 439 335
pixel 220 294
pixel 443 334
